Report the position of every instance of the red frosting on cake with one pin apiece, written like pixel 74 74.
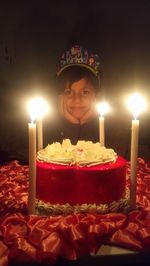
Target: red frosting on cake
pixel 60 184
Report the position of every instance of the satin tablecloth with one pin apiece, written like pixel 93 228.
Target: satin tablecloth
pixel 32 238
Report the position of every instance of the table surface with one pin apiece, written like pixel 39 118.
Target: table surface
pixel 119 229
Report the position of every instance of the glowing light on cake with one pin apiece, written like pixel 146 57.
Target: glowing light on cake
pixel 38 107
pixel 136 104
pixel 102 109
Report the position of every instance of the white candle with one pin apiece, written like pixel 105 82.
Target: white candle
pixel 40 133
pixel 136 104
pixel 32 168
pixel 38 107
pixel 134 156
pixel 102 109
pixel 101 131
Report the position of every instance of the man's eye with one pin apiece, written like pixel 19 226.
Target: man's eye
pixel 85 92
pixel 67 92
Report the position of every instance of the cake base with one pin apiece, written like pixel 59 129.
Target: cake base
pixel 46 209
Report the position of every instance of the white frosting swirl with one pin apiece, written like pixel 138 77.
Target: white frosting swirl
pixel 83 153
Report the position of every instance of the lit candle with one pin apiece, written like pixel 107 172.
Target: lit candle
pixel 32 158
pixel 102 109
pixel 32 168
pixel 101 131
pixel 136 105
pixel 40 107
pixel 36 107
pixel 40 133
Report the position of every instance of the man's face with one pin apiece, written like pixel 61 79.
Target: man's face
pixel 79 98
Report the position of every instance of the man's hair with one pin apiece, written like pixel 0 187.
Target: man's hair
pixel 74 74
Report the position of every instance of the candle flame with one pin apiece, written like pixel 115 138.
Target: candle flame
pixel 136 104
pixel 37 108
pixel 102 108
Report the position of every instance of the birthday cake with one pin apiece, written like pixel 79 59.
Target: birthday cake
pixel 85 177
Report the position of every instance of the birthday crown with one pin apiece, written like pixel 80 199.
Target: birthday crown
pixel 77 56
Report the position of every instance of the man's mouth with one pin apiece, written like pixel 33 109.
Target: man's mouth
pixel 77 108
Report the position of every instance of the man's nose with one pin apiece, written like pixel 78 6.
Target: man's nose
pixel 77 97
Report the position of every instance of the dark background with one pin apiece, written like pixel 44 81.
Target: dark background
pixel 33 34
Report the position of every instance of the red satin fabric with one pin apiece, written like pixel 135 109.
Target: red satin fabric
pixel 30 238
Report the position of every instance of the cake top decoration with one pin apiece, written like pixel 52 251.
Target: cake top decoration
pixel 84 153
pixel 78 56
